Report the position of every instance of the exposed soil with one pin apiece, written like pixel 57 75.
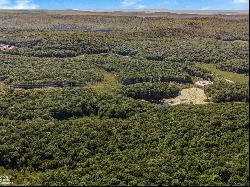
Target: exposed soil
pixel 4 47
pixel 203 83
pixel 229 81
pixel 188 96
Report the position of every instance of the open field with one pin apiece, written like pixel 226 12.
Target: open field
pixel 231 76
pixel 109 85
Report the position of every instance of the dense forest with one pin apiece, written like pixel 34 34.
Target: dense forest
pixel 149 91
pixel 223 91
pixel 80 94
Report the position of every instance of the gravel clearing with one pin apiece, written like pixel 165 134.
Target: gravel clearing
pixel 188 96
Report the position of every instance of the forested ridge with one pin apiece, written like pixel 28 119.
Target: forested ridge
pixel 80 94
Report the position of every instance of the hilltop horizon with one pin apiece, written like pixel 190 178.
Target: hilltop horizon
pixel 126 4
pixel 134 10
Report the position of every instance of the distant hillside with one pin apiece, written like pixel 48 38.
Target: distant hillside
pixel 141 13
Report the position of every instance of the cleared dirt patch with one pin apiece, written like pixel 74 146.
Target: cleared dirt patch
pixel 229 81
pixel 4 47
pixel 203 82
pixel 188 96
